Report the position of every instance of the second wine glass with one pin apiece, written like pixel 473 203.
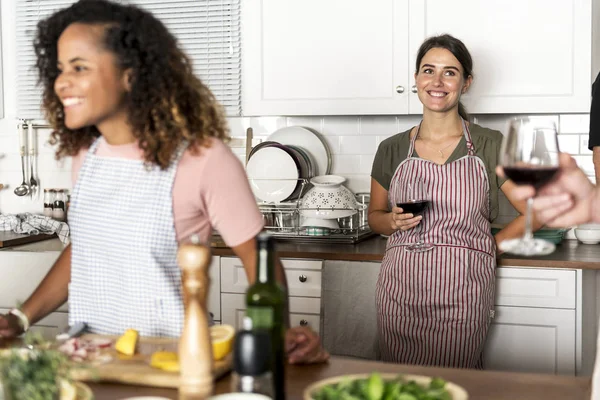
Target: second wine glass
pixel 415 200
pixel 529 156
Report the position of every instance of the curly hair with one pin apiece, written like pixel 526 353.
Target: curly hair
pixel 167 103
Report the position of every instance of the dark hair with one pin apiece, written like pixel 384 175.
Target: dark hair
pixel 167 103
pixel 458 49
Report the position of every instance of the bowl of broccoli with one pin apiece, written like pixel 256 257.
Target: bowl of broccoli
pixel 376 386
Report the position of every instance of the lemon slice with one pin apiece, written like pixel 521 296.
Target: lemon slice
pixel 222 340
pixel 68 391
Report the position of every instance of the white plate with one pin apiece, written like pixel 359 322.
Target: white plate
pixel 273 174
pixel 307 140
pixel 323 223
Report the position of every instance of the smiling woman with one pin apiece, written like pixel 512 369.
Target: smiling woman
pixel 435 301
pixel 150 170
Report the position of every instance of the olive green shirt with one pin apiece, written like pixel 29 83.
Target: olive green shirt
pixel 393 150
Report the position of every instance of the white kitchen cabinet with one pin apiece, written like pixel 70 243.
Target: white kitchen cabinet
pixel 50 326
pixel 21 272
pixel 528 56
pixel 309 57
pixel 214 291
pixel 304 291
pixel 527 339
pixel 313 57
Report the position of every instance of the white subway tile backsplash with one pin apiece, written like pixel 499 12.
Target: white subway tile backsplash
pixel 366 163
pixel 586 163
pixel 340 126
pixel 358 183
pixel 315 123
pixel 333 143
pixel 569 144
pixel 358 144
pixel 574 123
pixel 406 122
pixel 346 165
pixel 261 126
pixel 375 125
pixel 583 148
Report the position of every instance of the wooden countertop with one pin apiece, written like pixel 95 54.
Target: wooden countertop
pixel 568 254
pixel 484 385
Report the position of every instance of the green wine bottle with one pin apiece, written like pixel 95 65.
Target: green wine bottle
pixel 266 305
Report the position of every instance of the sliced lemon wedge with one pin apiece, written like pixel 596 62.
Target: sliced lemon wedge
pixel 222 341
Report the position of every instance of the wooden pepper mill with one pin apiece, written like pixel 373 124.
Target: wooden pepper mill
pixel 195 348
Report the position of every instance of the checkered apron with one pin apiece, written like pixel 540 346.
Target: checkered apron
pixel 124 272
pixel 434 307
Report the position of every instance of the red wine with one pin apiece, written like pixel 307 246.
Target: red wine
pixel 535 176
pixel 415 207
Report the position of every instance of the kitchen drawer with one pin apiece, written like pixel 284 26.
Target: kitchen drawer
pixel 535 287
pixel 303 276
pixel 307 309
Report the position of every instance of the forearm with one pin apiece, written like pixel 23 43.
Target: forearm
pixel 52 292
pixel 596 159
pixel 381 222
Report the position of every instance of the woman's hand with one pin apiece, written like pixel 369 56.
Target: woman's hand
pixel 10 326
pixel 303 346
pixel 404 221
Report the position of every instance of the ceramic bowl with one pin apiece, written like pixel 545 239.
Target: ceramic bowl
pixel 457 392
pixel 328 199
pixel 587 236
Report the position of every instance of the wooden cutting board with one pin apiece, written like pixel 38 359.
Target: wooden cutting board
pixel 9 238
pixel 136 369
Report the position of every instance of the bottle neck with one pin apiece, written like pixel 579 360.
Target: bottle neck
pixel 265 271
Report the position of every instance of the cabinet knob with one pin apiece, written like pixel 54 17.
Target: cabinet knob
pixel 413 89
pixel 399 89
pixel 303 322
pixel 302 278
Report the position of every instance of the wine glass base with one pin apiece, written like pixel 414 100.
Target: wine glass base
pixel 420 247
pixel 527 247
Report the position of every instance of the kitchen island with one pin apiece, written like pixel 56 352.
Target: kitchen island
pixel 481 385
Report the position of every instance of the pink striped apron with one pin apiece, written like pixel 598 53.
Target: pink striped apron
pixel 434 307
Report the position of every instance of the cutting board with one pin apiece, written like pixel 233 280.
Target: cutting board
pixel 136 369
pixel 9 238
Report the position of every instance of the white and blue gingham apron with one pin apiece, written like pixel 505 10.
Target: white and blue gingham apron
pixel 124 271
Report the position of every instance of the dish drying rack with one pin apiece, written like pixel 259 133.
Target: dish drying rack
pixel 283 220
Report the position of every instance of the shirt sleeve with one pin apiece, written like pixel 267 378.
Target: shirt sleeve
pixel 594 135
pixel 230 203
pixel 379 172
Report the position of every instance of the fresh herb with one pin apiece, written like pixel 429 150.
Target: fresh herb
pixel 33 373
pixel 375 388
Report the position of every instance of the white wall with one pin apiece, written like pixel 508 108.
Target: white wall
pixel 352 140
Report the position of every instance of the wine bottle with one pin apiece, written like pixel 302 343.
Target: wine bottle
pixel 265 301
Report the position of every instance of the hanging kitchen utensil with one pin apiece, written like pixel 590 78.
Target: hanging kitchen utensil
pixel 33 182
pixel 23 189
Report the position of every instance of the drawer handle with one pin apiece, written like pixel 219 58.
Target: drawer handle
pixel 302 278
pixel 303 322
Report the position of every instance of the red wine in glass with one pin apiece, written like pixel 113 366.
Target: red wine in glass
pixel 535 176
pixel 415 207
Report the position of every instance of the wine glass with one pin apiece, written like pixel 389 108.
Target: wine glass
pixel 529 156
pixel 415 200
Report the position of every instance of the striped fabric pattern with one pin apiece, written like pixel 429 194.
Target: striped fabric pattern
pixel 434 307
pixel 124 272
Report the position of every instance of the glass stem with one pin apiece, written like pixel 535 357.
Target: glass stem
pixel 421 233
pixel 528 217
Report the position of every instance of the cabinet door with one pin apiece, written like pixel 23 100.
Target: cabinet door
pixel 540 340
pixel 50 326
pixel 528 56
pixel 302 311
pixel 21 273
pixel 214 292
pixel 314 57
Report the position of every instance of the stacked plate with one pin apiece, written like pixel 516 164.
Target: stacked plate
pixel 276 168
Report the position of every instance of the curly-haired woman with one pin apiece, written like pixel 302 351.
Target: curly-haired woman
pixel 150 169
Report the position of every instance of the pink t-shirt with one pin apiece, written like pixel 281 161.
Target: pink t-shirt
pixel 210 190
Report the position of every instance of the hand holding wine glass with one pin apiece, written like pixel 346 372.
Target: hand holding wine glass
pixel 415 200
pixel 529 157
